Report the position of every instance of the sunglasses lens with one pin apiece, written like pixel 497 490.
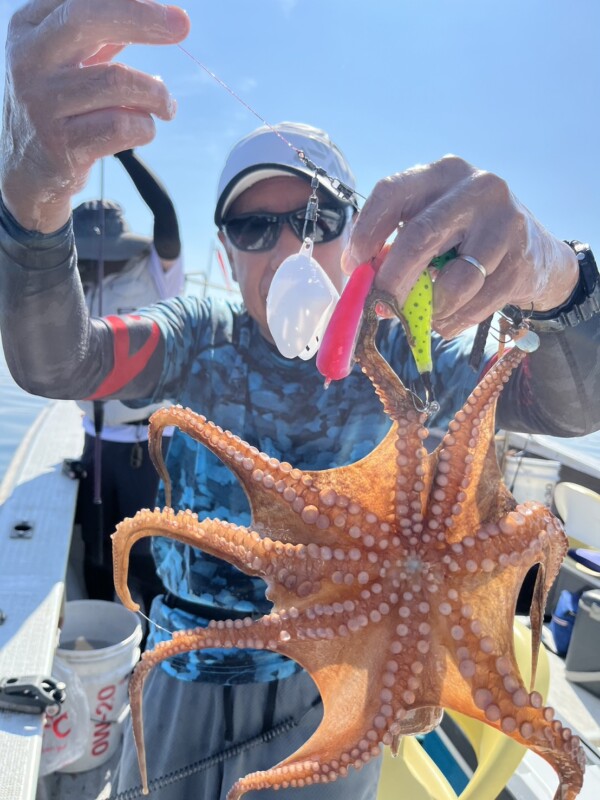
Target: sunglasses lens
pixel 254 232
pixel 330 224
pixel 259 232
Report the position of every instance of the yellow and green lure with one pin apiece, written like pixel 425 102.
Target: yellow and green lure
pixel 416 315
pixel 336 353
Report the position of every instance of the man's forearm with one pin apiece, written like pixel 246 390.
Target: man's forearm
pixel 52 346
pixel 557 389
pixel 46 330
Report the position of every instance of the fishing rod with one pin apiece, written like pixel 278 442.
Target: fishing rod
pixel 98 405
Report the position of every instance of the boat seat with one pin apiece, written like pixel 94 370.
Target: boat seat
pixel 579 509
pixel 413 773
pixel 590 559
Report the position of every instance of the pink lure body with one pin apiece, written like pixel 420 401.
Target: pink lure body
pixel 335 357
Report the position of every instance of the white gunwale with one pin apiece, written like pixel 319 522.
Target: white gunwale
pixel 32 577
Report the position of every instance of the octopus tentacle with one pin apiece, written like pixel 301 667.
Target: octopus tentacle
pixel 311 764
pixel 240 546
pixel 314 762
pixel 389 388
pixel 414 473
pixel 495 694
pixel 298 774
pixel 527 536
pixel 238 455
pixel 461 465
pixel 334 747
pixel 523 537
pixel 394 582
pixel 241 633
pixel 297 499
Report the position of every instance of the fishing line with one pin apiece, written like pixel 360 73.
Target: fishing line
pixel 156 625
pixel 337 185
pixel 237 97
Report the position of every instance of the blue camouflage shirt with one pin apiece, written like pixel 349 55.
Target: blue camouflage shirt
pixel 217 363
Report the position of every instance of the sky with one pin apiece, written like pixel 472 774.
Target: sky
pixel 512 86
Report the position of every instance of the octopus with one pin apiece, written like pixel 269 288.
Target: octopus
pixel 394 585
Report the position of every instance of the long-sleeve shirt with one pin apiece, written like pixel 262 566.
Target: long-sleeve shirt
pixel 211 356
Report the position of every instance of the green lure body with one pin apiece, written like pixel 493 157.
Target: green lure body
pixel 416 317
pixel 417 311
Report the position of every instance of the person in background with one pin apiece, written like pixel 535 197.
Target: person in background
pixel 215 715
pixel 137 271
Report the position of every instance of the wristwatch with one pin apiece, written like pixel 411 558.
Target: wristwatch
pixel 583 303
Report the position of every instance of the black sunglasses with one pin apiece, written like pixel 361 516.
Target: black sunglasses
pixel 259 232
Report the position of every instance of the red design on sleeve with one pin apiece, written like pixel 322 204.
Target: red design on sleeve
pixel 126 367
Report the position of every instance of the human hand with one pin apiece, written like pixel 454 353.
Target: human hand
pixel 449 204
pixel 67 103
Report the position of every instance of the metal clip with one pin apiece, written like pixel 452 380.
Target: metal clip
pixel 514 315
pixel 311 214
pixel 311 164
pixel 342 189
pixel 32 694
pixel 514 325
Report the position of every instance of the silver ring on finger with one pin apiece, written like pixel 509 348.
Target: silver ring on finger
pixel 475 263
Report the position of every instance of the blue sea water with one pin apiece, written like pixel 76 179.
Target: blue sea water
pixel 18 410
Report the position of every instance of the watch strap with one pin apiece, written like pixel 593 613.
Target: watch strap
pixel 582 305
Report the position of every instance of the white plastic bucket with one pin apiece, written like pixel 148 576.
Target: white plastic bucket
pixel 114 633
pixel 531 478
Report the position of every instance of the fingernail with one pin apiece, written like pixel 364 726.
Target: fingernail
pixel 171 107
pixel 176 19
pixel 349 261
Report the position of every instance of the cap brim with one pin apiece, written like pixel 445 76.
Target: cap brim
pixel 122 249
pixel 260 172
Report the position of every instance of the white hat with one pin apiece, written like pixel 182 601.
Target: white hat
pixel 263 154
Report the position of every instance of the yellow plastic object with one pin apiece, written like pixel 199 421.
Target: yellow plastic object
pixel 413 774
pixel 579 509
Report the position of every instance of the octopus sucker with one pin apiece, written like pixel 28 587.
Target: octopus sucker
pixel 394 581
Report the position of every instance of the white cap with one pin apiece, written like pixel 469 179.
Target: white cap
pixel 263 154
